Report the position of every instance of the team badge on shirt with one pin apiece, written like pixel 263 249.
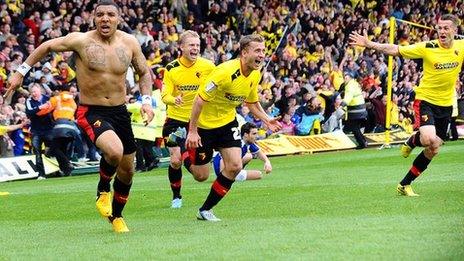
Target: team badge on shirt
pixel 425 118
pixel 97 123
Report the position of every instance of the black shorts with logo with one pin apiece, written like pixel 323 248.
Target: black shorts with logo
pixel 227 136
pixel 439 116
pixel 170 126
pixel 95 120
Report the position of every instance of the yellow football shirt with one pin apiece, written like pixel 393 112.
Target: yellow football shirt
pixel 441 69
pixel 225 89
pixel 179 79
pixel 3 130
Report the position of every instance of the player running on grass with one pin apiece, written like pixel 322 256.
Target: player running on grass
pixel 103 57
pixel 180 84
pixel 213 124
pixel 442 62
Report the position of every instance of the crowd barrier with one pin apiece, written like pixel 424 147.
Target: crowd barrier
pixel 24 167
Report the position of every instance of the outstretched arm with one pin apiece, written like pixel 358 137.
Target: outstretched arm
pixel 363 41
pixel 273 123
pixel 69 42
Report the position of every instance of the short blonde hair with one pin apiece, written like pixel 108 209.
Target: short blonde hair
pixel 187 34
pixel 247 39
pixel 452 18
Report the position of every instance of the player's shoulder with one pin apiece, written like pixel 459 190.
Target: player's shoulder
pixel 230 68
pixel 79 34
pixel 78 37
pixel 231 64
pixel 124 35
pixel 432 44
pixel 172 65
pixel 205 62
pixel 460 43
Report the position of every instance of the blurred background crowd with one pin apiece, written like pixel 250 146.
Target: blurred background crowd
pixel 302 79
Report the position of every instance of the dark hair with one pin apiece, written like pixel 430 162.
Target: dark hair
pixel 247 39
pixel 451 18
pixel 64 87
pixel 107 2
pixel 246 128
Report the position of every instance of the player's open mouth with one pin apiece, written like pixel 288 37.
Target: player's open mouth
pixel 258 63
pixel 105 28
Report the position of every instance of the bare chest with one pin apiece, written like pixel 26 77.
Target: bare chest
pixel 113 59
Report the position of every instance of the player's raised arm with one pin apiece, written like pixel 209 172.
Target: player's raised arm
pixel 69 42
pixel 363 41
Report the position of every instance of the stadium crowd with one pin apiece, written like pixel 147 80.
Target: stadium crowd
pixel 302 81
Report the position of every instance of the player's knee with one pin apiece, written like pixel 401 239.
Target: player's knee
pixel 432 151
pixel 200 177
pixel 234 167
pixel 113 158
pixel 247 158
pixel 430 140
pixel 125 174
pixel 176 163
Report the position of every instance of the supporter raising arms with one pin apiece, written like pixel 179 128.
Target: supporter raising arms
pixel 442 61
pixel 103 57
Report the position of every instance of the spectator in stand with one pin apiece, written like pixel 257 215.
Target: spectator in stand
pixel 337 114
pixel 311 116
pixel 379 103
pixel 288 127
pixel 41 126
pixel 10 129
pixel 46 78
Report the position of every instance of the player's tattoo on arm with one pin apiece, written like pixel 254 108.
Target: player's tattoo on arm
pixel 141 68
pixel 122 56
pixel 95 54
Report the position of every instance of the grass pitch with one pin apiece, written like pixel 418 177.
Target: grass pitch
pixel 340 205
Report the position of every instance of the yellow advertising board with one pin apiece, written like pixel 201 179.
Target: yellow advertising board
pixel 306 144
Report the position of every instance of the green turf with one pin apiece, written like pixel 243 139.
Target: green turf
pixel 339 205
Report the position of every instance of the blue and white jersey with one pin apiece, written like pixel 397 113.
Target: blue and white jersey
pixel 246 147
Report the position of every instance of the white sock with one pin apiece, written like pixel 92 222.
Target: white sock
pixel 242 175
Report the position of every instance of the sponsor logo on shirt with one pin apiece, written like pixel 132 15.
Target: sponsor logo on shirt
pixel 441 66
pixel 231 97
pixel 191 87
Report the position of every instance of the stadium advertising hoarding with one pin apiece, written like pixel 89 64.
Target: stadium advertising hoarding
pixel 396 136
pixel 285 144
pixel 24 167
